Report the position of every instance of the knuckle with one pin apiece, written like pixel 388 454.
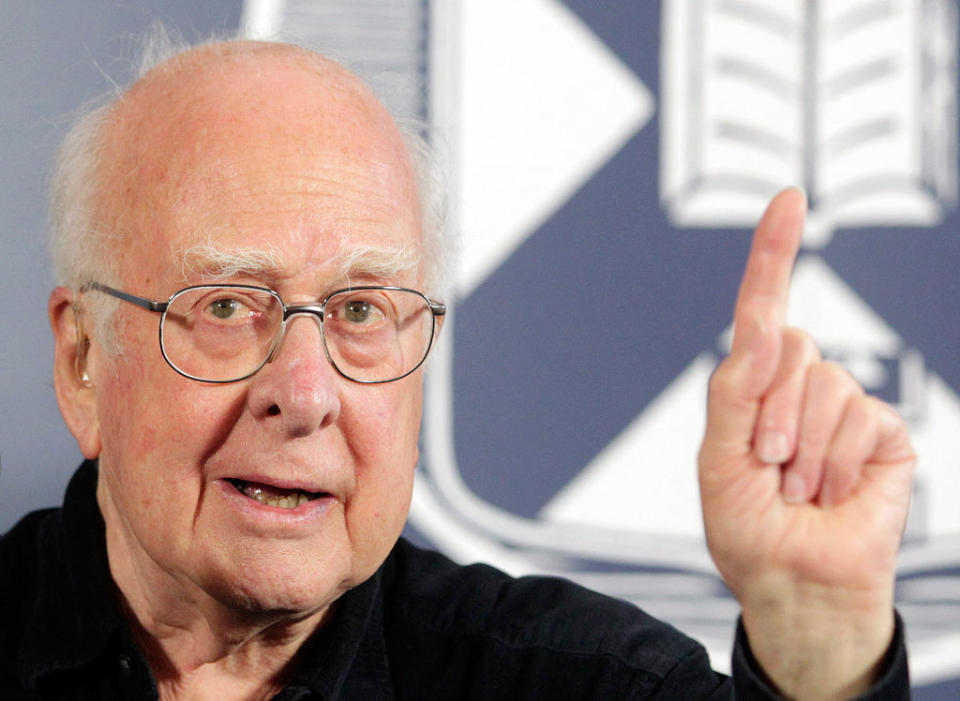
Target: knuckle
pixel 839 460
pixel 834 377
pixel 882 410
pixel 721 380
pixel 862 410
pixel 799 344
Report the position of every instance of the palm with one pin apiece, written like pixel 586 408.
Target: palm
pixel 852 544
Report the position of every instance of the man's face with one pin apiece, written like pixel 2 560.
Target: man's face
pixel 286 160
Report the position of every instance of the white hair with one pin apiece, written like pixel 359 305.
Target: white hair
pixel 80 245
pixel 215 263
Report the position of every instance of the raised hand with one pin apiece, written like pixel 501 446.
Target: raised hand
pixel 805 482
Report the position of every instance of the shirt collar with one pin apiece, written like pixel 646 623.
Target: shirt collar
pixel 348 657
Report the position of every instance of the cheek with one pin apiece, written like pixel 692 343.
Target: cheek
pixel 384 439
pixel 151 415
pixel 124 405
pixel 159 431
pixel 397 422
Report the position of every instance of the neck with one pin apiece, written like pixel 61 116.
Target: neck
pixel 210 660
pixel 203 645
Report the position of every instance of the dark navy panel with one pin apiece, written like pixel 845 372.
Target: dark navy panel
pixel 909 277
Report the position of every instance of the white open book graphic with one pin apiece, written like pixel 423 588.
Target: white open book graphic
pixel 854 100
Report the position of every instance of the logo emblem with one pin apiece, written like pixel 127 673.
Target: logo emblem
pixel 608 164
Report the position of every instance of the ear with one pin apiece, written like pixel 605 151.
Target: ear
pixel 439 322
pixel 73 379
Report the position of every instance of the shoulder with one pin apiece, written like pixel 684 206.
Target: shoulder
pixel 477 617
pixel 21 550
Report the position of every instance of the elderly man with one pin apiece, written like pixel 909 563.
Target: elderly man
pixel 234 531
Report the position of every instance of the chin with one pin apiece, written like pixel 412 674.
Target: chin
pixel 277 591
pixel 273 602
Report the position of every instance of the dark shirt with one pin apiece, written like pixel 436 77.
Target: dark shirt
pixel 421 628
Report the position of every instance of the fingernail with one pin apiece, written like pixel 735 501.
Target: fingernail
pixel 773 447
pixel 794 488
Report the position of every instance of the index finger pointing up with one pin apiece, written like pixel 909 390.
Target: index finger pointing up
pixel 765 287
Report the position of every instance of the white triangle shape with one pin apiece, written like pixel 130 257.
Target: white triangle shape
pixel 646 479
pixel 824 306
pixel 543 105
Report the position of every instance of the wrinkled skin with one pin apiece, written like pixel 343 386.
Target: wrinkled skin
pixel 267 149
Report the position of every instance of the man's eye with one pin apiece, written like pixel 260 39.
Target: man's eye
pixel 224 308
pixel 357 311
pixel 360 311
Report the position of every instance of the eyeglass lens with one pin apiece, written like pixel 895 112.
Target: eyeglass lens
pixel 225 333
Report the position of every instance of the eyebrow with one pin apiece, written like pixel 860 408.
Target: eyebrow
pixel 375 261
pixel 213 261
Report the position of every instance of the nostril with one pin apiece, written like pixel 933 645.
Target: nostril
pixel 274 410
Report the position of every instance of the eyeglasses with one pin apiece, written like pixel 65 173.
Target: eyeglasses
pixel 226 333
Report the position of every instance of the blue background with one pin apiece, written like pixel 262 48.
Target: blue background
pixel 606 272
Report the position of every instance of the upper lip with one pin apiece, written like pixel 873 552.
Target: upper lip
pixel 310 486
pixel 281 470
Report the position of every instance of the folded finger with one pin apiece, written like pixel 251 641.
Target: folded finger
pixel 828 390
pixel 853 444
pixel 778 423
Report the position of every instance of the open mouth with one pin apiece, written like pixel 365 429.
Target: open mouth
pixel 273 496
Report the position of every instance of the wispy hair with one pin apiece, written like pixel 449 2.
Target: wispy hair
pixel 83 247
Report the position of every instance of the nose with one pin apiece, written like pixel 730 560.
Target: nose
pixel 298 391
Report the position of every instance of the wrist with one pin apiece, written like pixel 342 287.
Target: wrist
pixel 820 642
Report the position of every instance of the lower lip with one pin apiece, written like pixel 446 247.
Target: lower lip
pixel 266 514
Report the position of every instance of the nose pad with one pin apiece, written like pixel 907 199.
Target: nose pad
pixel 317 317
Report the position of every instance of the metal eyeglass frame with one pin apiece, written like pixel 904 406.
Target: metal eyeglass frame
pixel 436 308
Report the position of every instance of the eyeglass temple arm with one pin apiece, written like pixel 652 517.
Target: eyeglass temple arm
pixel 147 304
pixel 438 308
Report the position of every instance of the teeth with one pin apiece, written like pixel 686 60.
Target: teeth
pixel 286 501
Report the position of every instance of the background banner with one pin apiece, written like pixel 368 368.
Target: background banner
pixel 606 162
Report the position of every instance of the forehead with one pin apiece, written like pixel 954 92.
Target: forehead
pixel 269 149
